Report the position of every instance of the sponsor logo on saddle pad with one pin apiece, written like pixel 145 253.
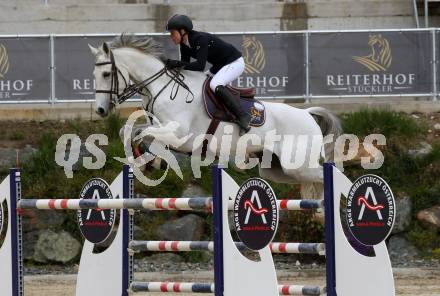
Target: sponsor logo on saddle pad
pixel 96 225
pixel 371 210
pixel 256 214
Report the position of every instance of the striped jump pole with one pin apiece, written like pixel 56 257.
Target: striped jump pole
pixel 188 246
pixel 181 204
pixel 181 287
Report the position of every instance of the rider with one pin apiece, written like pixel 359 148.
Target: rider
pixel 227 62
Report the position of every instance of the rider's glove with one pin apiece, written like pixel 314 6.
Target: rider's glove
pixel 172 64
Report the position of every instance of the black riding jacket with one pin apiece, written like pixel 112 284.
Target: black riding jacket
pixel 205 47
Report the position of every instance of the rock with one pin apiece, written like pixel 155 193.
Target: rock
pixel 39 220
pixel 415 116
pixel 56 247
pixel 26 153
pixel 437 126
pixel 430 218
pixel 138 232
pixel 8 156
pixel 29 241
pixel 403 214
pixel 33 223
pixel 425 149
pixel 189 228
pixel 400 249
pixel 194 190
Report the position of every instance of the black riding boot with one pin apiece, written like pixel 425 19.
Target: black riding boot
pixel 243 118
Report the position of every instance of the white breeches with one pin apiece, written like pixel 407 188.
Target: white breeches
pixel 227 73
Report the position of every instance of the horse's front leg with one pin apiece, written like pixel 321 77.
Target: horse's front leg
pixel 169 135
pixel 139 147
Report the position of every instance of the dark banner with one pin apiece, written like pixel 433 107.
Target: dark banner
pixel 274 63
pixel 341 63
pixel 24 69
pixel 437 64
pixel 370 63
pixel 75 63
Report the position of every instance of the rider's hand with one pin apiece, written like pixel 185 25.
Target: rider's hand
pixel 172 64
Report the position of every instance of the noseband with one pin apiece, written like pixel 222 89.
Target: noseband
pixel 117 98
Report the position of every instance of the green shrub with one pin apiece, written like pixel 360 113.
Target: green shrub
pixel 424 239
pixel 113 124
pixel 16 136
pixel 373 121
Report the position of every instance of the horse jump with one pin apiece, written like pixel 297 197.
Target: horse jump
pixel 111 272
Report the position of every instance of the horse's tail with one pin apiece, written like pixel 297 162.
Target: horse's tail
pixel 329 124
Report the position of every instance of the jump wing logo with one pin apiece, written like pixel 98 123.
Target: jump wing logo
pixel 254 55
pixel 259 210
pixel 380 56
pixel 89 213
pixel 365 204
pixel 4 61
pixel 255 213
pixel 370 210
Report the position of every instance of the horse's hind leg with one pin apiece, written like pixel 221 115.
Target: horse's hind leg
pixel 311 180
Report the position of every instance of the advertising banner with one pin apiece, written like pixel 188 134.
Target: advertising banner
pixel 370 63
pixel 24 69
pixel 274 63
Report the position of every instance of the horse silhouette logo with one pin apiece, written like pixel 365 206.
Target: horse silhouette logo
pixel 380 57
pixel 254 55
pixel 4 61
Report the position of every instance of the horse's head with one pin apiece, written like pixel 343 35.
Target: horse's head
pixel 110 79
pixel 380 50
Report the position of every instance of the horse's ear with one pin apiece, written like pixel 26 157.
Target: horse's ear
pixel 106 48
pixel 94 50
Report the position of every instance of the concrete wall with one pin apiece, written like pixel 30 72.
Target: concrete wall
pixel 21 17
pixel 109 16
pixel 363 14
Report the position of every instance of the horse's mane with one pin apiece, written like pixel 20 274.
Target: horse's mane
pixel 146 45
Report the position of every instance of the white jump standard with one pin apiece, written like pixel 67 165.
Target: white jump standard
pixel 110 273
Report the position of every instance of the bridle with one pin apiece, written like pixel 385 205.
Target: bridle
pixel 114 82
pixel 117 98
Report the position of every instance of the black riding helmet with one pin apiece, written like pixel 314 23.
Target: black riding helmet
pixel 179 21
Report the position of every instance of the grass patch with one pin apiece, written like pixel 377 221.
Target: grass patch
pixel 113 124
pixel 16 136
pixel 424 239
pixel 388 123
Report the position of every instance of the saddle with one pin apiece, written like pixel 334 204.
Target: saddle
pixel 217 110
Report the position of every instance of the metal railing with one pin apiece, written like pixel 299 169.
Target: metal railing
pixel 306 93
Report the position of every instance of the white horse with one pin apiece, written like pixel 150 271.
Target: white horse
pixel 140 60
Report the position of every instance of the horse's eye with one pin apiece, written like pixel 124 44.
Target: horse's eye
pixel 106 74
